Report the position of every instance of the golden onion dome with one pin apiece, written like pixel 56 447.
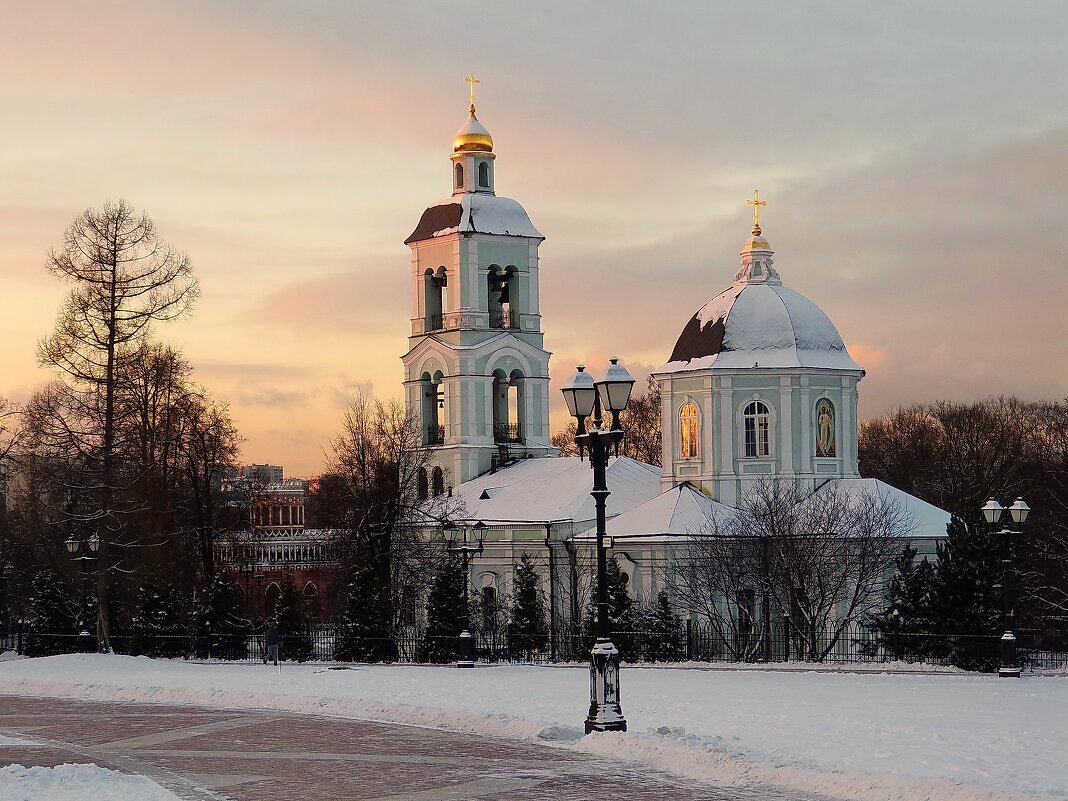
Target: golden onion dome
pixel 473 137
pixel 756 240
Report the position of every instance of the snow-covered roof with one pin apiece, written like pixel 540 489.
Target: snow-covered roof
pixel 474 212
pixel 927 520
pixel 677 512
pixel 759 325
pixel 551 489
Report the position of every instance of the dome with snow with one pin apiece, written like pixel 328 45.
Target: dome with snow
pixel 757 322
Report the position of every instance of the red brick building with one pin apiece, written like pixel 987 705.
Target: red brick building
pixel 276 542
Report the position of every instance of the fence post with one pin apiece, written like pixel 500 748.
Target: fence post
pixel 689 639
pixel 786 636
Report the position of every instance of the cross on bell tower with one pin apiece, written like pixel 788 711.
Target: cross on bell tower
pixel 476 374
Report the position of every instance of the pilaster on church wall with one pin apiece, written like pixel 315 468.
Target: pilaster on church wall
pixel 788 433
pixel 807 449
pixel 848 426
pixel 707 439
pixel 472 278
pixel 418 301
pixel 533 265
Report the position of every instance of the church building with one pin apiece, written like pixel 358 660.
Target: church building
pixel 759 385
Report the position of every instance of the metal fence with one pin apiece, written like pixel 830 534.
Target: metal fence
pixel 688 641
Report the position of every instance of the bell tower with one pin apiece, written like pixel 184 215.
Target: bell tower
pixel 476 374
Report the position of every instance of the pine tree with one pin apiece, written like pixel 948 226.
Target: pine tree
pixel 967 596
pixel 445 614
pixel 294 634
pixel 906 623
pixel 529 630
pixel 665 640
pixel 361 635
pixel 157 622
pixel 620 610
pixel 52 618
pixel 220 631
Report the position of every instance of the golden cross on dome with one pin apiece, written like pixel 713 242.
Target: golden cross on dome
pixel 471 79
pixel 756 203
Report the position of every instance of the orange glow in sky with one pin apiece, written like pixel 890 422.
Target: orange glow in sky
pixel 912 161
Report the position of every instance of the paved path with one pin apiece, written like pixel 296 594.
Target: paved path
pixel 203 754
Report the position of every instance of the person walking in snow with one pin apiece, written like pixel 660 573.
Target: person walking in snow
pixel 271 637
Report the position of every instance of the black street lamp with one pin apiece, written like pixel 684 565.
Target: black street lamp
pixel 992 513
pixel 248 568
pixel 88 556
pixel 459 543
pixel 585 397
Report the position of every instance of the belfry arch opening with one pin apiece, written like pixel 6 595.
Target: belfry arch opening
pixel 501 296
pixel 432 392
pixel 458 172
pixel 434 283
pixel 509 399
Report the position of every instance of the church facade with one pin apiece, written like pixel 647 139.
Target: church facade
pixel 759 386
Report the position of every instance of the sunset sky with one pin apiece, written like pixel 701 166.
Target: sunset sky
pixel 914 157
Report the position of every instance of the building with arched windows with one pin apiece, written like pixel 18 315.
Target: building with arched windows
pixel 759 383
pixel 758 386
pixel 276 544
pixel 476 374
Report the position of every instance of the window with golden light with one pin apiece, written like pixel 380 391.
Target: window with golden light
pixel 688 430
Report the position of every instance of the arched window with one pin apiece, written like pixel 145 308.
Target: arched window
pixel 825 439
pixel 688 430
pixel 500 288
pixel 423 484
pixel 483 175
pixel 434 284
pixel 757 422
pixel 459 175
pixel 439 482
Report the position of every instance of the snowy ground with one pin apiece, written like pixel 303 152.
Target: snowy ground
pixel 873 737
pixel 77 783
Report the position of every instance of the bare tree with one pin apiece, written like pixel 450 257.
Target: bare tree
pixel 123 279
pixel 822 556
pixel 723 573
pixel 373 473
pixel 10 430
pixel 207 448
pixel 954 455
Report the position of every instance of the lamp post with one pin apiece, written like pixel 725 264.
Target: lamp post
pixel 585 397
pixel 459 543
pixel 92 546
pixel 993 513
pixel 248 567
